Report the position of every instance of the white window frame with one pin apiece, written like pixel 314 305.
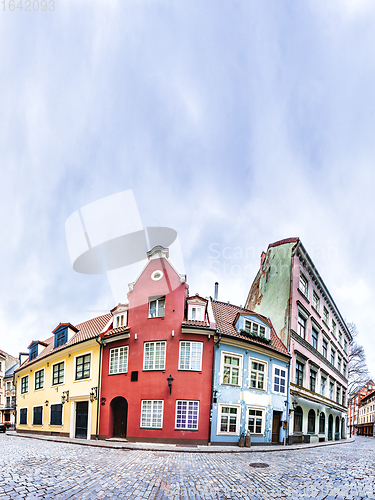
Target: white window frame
pixel 265 373
pixel 120 320
pixel 279 367
pixel 75 367
pixel 125 349
pixel 154 355
pixel 325 316
pixel 152 299
pixel 27 415
pixel 255 328
pixel 238 420
pixel 240 368
pixel 190 343
pixel 255 408
pixel 187 411
pixel 299 327
pixel 334 327
pixel 62 415
pixel 305 281
pixel 57 363
pixel 196 312
pixel 153 401
pixel 316 304
pixel 323 385
pixel 44 379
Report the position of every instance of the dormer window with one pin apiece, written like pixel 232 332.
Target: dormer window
pixel 60 338
pixel 196 313
pixel 156 307
pixel 33 352
pixel 120 320
pixel 254 328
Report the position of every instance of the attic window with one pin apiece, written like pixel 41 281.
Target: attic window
pixel 254 328
pixel 120 320
pixel 60 337
pixel 157 275
pixel 156 308
pixel 196 313
pixel 33 352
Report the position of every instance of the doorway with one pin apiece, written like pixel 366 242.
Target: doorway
pixel 119 407
pixel 82 413
pixel 330 427
pixel 276 424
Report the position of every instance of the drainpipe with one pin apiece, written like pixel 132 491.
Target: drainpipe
pixel 287 406
pixel 212 386
pixel 99 386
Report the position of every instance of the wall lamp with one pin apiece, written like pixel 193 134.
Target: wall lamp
pixel 93 394
pixel 170 379
pixel 102 401
pixel 294 404
pixel 46 403
pixel 65 397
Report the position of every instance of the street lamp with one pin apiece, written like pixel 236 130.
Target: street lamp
pixel 65 397
pixel 170 379
pixel 93 394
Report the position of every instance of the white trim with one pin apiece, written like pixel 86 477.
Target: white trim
pixel 162 413
pixel 27 414
pixel 28 385
pixel 275 366
pixel 240 368
pixel 155 277
pixel 219 432
pixel 32 421
pixel 153 362
pixel 52 365
pixel 190 342
pixel 62 414
pixel 126 347
pixel 44 379
pixel 256 408
pixel 265 381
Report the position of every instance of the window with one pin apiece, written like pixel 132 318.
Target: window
pixel 229 419
pixel 298 417
pixel 340 337
pixel 231 369
pixel 333 353
pixel 314 338
pixel 24 384
pixel 338 394
pixel 303 284
pixel 118 360
pixel 187 415
pixel 311 422
pixel 190 356
pixel 156 308
pixel 322 423
pixel 58 373
pixel 37 415
pixel 323 386
pixel 60 337
pixel 301 328
pixel 312 380
pixel 8 402
pixel 339 361
pixel 255 421
pixel 333 328
pixel 343 397
pixel 154 356
pixel 345 345
pixel 325 315
pixel 254 328
pixel 56 414
pixel 279 380
pixel 152 414
pixel 324 348
pixel 9 386
pixel 299 373
pixel 196 313
pixel 344 369
pixel 257 374
pixel 39 380
pixel 120 320
pixel 83 366
pixel 331 387
pixel 23 416
pixel 315 301
pixel 33 352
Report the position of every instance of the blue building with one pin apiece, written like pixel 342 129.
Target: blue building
pixel 250 384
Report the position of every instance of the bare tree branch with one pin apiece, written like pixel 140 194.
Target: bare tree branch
pixel 358 373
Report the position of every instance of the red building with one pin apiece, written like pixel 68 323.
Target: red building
pixel 157 361
pixel 354 405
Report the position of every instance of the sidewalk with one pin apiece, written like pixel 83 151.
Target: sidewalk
pixel 124 445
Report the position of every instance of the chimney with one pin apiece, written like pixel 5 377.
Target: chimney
pixel 262 257
pixel 216 294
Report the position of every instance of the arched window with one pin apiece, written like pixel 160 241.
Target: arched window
pixel 322 423
pixel 298 417
pixel 337 429
pixel 311 422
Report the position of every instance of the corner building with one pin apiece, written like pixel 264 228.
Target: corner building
pixel 290 290
pixel 157 361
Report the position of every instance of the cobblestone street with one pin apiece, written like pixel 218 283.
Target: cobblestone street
pixel 33 468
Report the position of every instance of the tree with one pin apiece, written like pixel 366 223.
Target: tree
pixel 358 373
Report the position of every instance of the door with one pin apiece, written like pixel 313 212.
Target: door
pixel 82 413
pixel 276 423
pixel 120 417
pixel 330 427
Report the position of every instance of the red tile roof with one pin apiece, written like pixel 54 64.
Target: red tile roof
pixel 283 242
pixel 225 316
pixel 194 322
pixel 85 331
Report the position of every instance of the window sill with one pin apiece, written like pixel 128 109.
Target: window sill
pixel 82 380
pixel 156 317
pixel 118 373
pixel 231 385
pixel 181 429
pixel 303 295
pixel 153 428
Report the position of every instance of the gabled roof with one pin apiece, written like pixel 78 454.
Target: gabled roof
pixel 225 317
pixel 10 371
pixel 69 325
pixel 84 331
pixel 37 342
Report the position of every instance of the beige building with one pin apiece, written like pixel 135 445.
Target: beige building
pixel 7 394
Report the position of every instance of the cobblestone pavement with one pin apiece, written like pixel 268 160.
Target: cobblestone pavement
pixel 35 469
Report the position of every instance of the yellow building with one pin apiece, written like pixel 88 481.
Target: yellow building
pixel 58 381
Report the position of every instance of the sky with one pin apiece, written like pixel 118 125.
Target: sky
pixel 234 123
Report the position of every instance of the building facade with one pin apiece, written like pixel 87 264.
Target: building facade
pixel 7 396
pixel 157 361
pixel 290 290
pixel 250 383
pixel 354 405
pixel 366 415
pixel 57 382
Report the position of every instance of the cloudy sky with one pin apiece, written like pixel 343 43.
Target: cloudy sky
pixel 237 123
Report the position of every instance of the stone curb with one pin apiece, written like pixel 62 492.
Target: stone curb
pixel 156 447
